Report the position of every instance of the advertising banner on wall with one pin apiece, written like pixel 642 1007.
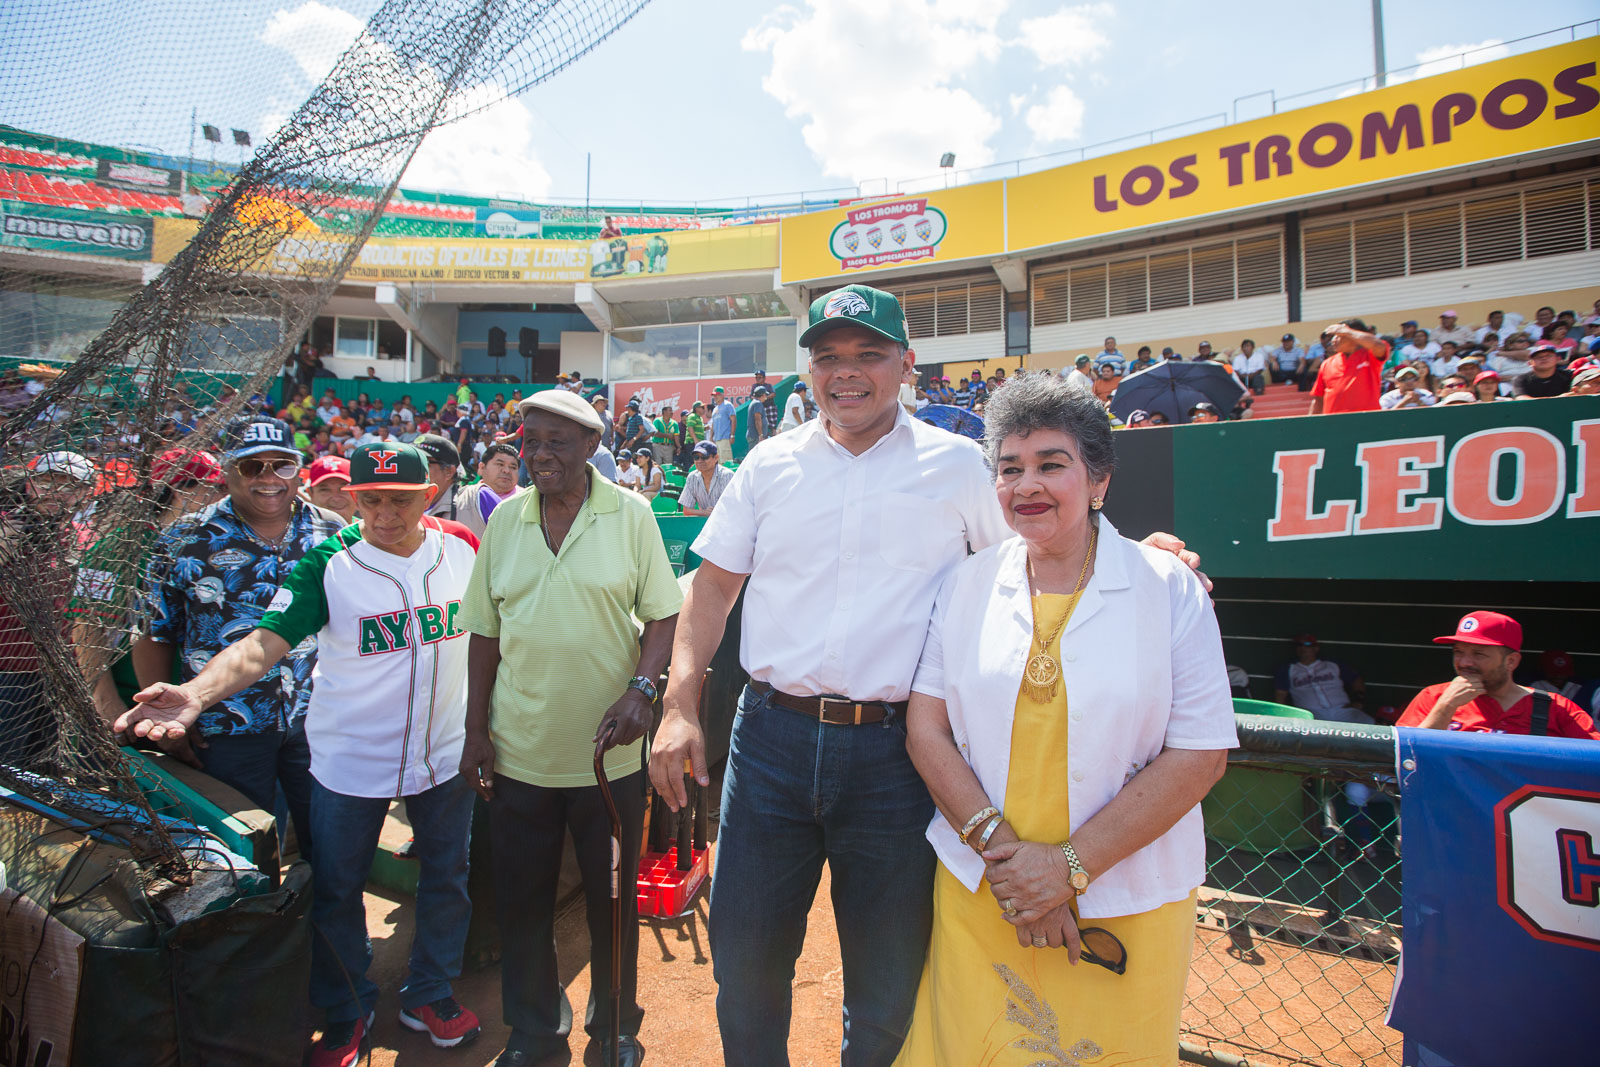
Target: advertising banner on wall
pixel 137 176
pixel 1340 495
pixel 681 393
pixel 401 259
pixel 1487 111
pixel 876 234
pixel 509 222
pixel 62 229
pixel 685 252
pixel 537 261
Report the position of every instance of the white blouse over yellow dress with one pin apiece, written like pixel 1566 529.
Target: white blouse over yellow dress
pixel 1142 668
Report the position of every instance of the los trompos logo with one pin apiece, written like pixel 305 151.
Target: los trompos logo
pixel 894 231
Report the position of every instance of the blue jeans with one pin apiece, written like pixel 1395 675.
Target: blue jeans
pixel 259 764
pixel 798 792
pixel 346 831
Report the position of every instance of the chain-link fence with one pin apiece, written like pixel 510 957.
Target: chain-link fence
pixel 1299 920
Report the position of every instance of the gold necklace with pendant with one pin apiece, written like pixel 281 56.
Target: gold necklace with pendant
pixel 1043 672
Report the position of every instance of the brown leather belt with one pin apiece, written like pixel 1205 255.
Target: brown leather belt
pixel 840 711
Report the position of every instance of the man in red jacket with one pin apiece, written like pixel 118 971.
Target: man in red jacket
pixel 1482 698
pixel 1350 378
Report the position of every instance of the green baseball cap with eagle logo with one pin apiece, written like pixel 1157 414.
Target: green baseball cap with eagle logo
pixel 857 305
pixel 388 465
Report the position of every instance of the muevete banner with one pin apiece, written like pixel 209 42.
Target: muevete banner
pixel 61 229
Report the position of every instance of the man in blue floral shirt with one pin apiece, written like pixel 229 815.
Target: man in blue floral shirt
pixel 207 585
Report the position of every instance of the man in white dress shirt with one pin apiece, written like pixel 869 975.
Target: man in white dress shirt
pixel 844 528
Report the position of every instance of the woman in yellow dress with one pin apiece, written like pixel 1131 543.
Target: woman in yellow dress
pixel 1070 711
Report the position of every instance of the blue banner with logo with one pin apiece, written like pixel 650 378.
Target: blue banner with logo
pixel 1500 955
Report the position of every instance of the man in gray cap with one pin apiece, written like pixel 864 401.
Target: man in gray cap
pixel 557 666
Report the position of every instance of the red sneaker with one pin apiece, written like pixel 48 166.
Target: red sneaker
pixel 446 1022
pixel 341 1043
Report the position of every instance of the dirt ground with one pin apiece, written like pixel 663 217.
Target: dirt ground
pixel 1274 1006
pixel 675 989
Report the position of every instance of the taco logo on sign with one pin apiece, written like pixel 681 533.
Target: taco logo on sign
pixel 915 229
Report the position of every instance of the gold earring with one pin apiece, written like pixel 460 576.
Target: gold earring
pixel 1097 503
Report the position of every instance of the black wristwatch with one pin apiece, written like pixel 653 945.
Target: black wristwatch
pixel 645 686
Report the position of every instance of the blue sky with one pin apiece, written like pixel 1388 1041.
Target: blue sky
pixel 715 99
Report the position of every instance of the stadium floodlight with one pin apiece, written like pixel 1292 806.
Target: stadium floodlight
pixel 947 160
pixel 211 133
pixel 241 138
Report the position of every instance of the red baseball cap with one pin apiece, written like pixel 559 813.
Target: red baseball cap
pixel 1485 628
pixel 181 465
pixel 327 467
pixel 1555 660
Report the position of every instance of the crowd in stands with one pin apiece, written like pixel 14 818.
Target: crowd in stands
pixel 1359 368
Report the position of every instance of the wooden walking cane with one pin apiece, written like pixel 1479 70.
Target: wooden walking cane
pixel 616 898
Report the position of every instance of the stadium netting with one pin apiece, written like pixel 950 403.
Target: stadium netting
pixel 213 327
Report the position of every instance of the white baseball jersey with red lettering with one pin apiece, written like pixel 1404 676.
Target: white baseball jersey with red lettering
pixel 389 695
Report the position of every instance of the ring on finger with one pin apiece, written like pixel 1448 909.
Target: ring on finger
pixel 1040 942
pixel 1009 906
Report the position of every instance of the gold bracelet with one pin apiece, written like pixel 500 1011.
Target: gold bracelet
pixel 977 821
pixel 983 839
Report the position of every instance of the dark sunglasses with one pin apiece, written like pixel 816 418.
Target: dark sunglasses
pixel 1100 947
pixel 254 468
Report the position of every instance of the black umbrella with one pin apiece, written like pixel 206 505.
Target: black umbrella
pixel 1172 388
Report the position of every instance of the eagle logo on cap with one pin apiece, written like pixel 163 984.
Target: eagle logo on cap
pixel 845 303
pixel 1468 624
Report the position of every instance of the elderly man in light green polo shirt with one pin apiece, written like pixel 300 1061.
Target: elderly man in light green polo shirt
pixel 564 579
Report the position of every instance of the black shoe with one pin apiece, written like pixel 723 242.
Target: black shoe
pixel 629 1052
pixel 407 851
pixel 515 1058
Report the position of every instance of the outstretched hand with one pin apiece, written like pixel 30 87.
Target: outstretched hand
pixel 165 714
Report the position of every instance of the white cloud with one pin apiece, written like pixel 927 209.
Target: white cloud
pixel 1447 57
pixel 1068 37
pixel 1059 118
pixel 489 151
pixel 313 34
pixel 1017 101
pixel 873 83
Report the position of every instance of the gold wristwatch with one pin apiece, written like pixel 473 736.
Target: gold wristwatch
pixel 1079 878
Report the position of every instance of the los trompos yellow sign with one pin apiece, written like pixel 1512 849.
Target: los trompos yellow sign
pixel 1518 105
pixel 934 227
pixel 1521 104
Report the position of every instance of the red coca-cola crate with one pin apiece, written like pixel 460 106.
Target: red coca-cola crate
pixel 666 892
